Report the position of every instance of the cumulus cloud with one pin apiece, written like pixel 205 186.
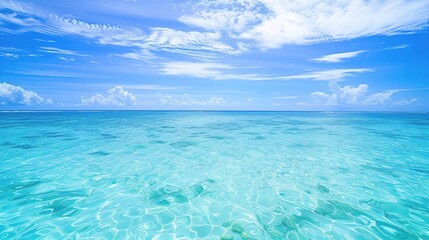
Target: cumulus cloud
pixel 115 96
pixel 187 100
pixel 322 98
pixel 338 57
pixel 16 95
pixel 350 95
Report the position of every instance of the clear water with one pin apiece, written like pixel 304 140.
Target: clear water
pixel 214 175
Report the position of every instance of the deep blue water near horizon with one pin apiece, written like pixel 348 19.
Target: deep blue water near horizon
pixel 214 175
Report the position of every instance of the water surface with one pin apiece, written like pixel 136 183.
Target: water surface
pixel 214 175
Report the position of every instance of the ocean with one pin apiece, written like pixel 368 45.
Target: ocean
pixel 214 175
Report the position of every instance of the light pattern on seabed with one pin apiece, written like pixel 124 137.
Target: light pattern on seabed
pixel 214 175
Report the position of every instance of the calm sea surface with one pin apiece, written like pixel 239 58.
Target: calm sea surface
pixel 214 175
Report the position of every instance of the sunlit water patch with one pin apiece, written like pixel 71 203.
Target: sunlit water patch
pixel 214 175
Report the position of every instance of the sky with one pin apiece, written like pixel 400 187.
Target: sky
pixel 282 55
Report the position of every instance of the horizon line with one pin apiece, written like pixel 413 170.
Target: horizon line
pixel 209 110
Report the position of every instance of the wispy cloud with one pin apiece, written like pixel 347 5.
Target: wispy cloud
pixel 44 40
pixel 286 97
pixel 67 59
pixel 210 70
pixel 328 75
pixel 381 97
pixel 55 73
pixel 405 102
pixel 191 43
pixel 231 16
pixel 232 27
pixel 187 100
pixel 219 71
pixel 9 52
pixel 60 51
pixel 338 57
pixel 9 55
pixel 274 23
pixel 397 47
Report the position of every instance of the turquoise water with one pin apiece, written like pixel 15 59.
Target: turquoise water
pixel 214 175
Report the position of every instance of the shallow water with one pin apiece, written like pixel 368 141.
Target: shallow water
pixel 214 175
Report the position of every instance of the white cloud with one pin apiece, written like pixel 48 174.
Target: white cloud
pixel 405 102
pixel 54 73
pixel 230 16
pixel 381 97
pixel 105 33
pixel 211 70
pixel 197 69
pixel 60 51
pixel 67 59
pixel 9 52
pixel 220 71
pixel 322 98
pixel 16 95
pixel 43 40
pixel 349 95
pixel 187 100
pixel 275 23
pixel 340 95
pixel 142 54
pixel 190 42
pixel 397 47
pixel 15 6
pixel 115 96
pixel 234 27
pixel 9 55
pixel 286 97
pixel 338 57
pixel 328 75
pixel 20 20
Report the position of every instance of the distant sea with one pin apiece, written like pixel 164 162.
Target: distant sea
pixel 214 175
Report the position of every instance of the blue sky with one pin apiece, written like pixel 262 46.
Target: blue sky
pixel 243 55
